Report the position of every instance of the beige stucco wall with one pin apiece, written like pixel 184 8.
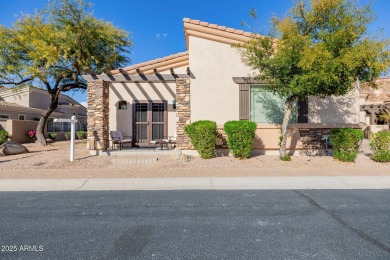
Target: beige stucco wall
pixel 15 114
pixel 214 95
pixel 267 137
pixel 39 100
pixel 3 124
pixel 335 109
pixel 122 119
pixel 20 97
pixel 17 129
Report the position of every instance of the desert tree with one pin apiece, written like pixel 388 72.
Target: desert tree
pixel 319 48
pixel 52 48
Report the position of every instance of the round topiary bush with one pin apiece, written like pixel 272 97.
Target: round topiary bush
pixel 67 135
pixel 203 135
pixel 81 134
pixel 240 137
pixel 52 136
pixel 380 145
pixel 346 142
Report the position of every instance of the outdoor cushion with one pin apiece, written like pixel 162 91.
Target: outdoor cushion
pixel 118 138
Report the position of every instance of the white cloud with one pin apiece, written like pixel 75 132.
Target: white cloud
pixel 84 104
pixel 159 35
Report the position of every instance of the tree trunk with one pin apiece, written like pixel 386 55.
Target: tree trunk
pixel 43 120
pixel 287 112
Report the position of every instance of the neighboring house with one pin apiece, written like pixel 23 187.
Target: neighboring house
pixel 208 81
pixel 15 111
pixel 375 102
pixel 28 103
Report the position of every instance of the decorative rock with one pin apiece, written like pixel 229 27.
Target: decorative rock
pixel 11 148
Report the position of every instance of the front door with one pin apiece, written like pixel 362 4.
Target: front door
pixel 149 121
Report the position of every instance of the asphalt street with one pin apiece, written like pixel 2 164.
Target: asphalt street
pixel 247 224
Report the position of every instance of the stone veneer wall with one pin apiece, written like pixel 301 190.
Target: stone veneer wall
pixel 312 138
pixel 183 112
pixel 98 116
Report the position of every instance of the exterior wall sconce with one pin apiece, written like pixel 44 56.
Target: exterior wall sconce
pixel 122 105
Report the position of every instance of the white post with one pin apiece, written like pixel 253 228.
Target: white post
pixel 72 122
pixel 72 136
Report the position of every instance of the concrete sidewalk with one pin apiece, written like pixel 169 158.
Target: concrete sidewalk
pixel 198 183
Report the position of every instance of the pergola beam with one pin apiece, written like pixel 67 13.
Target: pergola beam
pixel 375 108
pixel 126 78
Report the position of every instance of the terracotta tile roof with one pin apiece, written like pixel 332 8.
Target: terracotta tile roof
pixel 9 104
pixel 380 94
pixel 178 59
pixel 218 27
pixel 15 105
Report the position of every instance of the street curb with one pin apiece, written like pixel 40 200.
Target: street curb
pixel 198 183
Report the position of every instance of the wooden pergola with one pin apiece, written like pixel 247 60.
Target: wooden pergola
pixel 98 101
pixel 375 110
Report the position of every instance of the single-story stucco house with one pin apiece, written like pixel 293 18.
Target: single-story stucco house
pixel 208 81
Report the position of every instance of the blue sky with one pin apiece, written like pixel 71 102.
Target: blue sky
pixel 156 26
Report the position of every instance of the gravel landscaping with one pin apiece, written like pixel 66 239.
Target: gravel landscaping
pixel 56 156
pixel 53 156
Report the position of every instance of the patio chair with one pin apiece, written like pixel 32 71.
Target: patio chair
pixel 173 141
pixel 117 138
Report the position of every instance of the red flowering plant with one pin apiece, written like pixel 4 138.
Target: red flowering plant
pixel 32 133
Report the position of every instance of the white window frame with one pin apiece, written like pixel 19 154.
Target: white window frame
pixel 24 117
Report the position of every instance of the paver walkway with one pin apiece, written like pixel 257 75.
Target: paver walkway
pixel 139 171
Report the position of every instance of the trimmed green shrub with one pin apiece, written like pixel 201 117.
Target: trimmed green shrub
pixel 345 142
pixel 81 134
pixel 67 135
pixel 52 136
pixel 380 145
pixel 240 137
pixel 286 158
pixel 3 136
pixel 203 135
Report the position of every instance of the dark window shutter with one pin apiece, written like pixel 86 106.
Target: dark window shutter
pixel 244 102
pixel 303 110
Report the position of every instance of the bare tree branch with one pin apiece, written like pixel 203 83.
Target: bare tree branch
pixel 70 86
pixel 11 82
